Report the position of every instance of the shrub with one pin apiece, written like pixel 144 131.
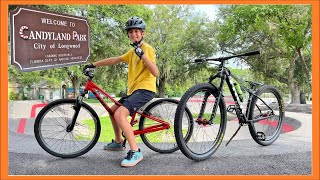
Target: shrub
pixel 13 96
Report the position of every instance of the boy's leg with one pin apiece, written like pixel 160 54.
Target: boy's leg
pixel 117 144
pixel 116 128
pixel 134 155
pixel 135 101
pixel 121 117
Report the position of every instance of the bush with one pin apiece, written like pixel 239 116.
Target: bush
pixel 13 96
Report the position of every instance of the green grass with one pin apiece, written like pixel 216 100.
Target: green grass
pixel 106 129
pixel 165 135
pixel 107 100
pixel 207 116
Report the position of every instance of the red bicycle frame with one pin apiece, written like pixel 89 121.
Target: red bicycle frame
pixel 90 86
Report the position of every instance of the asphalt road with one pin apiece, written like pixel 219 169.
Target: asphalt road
pixel 291 154
pixel 287 156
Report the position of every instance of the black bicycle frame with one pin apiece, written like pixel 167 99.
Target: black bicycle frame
pixel 224 74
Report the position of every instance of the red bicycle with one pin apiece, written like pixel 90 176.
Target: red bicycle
pixel 68 128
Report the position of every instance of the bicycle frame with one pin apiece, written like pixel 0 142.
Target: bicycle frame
pixel 90 86
pixel 224 74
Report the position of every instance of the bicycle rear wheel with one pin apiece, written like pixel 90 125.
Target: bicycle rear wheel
pixel 50 129
pixel 206 136
pixel 267 103
pixel 162 141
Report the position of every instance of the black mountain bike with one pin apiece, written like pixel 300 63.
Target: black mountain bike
pixel 264 112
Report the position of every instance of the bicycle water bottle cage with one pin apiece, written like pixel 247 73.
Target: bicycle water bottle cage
pixel 261 136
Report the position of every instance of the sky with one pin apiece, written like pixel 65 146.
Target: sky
pixel 211 11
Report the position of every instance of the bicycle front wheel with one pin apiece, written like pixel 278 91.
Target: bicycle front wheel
pixel 267 102
pixel 50 129
pixel 209 123
pixel 162 141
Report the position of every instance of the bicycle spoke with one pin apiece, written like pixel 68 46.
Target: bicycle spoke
pixel 204 132
pixel 52 130
pixel 266 104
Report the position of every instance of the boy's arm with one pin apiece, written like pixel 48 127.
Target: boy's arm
pixel 108 61
pixel 150 65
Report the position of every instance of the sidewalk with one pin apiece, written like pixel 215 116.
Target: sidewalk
pixel 22 109
pixel 299 108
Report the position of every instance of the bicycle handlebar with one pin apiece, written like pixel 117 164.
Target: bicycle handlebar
pixel 251 53
pixel 89 72
pixel 228 57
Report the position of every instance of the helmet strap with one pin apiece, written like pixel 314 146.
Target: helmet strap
pixel 136 44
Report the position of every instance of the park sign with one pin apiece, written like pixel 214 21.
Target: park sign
pixel 42 39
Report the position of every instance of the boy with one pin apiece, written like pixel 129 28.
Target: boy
pixel 142 73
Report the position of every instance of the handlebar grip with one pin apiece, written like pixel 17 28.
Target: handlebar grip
pixel 251 53
pixel 199 60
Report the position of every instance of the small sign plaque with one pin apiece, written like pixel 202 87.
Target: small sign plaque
pixel 42 39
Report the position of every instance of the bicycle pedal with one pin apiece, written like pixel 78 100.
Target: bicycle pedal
pixel 261 136
pixel 231 108
pixel 133 122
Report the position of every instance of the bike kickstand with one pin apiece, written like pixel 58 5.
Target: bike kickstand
pixel 234 135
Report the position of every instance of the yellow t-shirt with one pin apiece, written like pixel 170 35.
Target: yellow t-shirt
pixel 139 76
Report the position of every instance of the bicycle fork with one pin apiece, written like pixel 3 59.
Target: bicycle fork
pixel 76 108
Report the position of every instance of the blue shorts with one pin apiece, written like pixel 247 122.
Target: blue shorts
pixel 136 100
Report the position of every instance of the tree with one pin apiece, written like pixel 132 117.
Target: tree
pixel 281 32
pixel 177 36
pixel 109 39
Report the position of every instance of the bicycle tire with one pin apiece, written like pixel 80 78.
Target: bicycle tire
pixel 258 109
pixel 71 144
pixel 191 149
pixel 167 144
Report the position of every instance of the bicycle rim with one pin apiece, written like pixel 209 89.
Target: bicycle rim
pixel 51 133
pixel 270 105
pixel 162 141
pixel 205 137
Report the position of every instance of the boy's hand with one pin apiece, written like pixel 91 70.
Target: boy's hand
pixel 139 52
pixel 137 49
pixel 88 66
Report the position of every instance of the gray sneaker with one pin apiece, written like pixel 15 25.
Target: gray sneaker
pixel 114 146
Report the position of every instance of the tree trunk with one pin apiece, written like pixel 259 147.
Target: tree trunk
pixel 303 98
pixel 35 91
pixel 51 93
pixel 305 68
pixel 295 93
pixel 161 86
pixel 294 87
pixel 75 83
